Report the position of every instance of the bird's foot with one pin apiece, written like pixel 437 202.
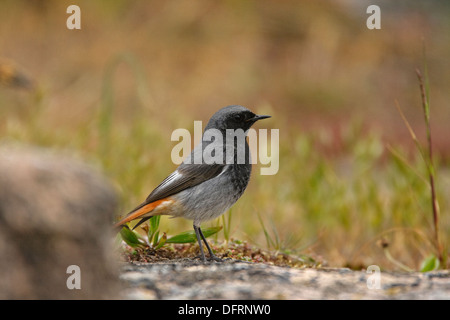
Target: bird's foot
pixel 216 258
pixel 211 258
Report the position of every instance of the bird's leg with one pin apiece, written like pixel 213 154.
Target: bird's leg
pixel 212 256
pixel 197 233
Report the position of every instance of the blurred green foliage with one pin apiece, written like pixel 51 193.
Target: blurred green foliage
pixel 114 91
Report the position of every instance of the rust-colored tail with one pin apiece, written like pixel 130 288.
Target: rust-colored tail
pixel 139 212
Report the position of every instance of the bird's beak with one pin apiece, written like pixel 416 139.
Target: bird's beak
pixel 257 117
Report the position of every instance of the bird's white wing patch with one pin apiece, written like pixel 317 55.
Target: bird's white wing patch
pixel 172 178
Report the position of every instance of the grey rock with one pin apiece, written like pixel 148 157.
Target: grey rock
pixel 188 279
pixel 54 212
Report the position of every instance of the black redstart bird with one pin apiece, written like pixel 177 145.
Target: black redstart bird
pixel 210 180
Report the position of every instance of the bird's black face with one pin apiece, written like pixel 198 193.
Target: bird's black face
pixel 240 120
pixel 234 117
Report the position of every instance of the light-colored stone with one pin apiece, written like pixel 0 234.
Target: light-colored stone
pixel 188 279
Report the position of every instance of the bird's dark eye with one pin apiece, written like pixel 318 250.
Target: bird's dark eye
pixel 238 117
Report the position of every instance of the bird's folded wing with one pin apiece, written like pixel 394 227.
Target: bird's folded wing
pixel 186 176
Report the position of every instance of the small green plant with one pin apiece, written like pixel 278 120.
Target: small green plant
pixel 430 263
pixel 155 241
pixel 153 233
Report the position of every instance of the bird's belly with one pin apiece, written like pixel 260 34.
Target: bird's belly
pixel 212 198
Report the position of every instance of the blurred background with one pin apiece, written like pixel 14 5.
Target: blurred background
pixel 351 183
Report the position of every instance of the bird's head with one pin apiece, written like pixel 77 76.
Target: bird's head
pixel 233 117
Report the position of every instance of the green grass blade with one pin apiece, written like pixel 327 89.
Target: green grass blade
pixel 190 237
pixel 155 238
pixel 154 223
pixel 153 229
